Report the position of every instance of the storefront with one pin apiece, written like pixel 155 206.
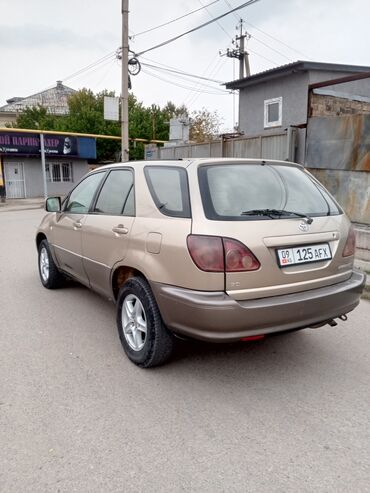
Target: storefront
pixel 66 161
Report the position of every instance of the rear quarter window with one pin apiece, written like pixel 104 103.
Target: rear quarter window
pixel 169 189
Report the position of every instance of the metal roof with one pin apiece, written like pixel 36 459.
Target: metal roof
pixel 299 66
pixel 54 99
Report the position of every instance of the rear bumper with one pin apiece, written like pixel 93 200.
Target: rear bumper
pixel 214 316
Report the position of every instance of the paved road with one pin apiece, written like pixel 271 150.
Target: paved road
pixel 288 414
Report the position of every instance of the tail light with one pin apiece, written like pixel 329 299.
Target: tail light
pixel 238 258
pixel 215 254
pixel 207 252
pixel 350 246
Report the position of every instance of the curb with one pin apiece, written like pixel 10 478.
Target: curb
pixel 20 208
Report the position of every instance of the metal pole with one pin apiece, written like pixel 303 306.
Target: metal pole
pixel 43 165
pixel 124 95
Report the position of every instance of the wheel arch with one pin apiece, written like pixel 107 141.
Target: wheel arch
pixel 121 274
pixel 39 237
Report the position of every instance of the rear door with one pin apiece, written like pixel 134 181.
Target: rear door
pixel 106 230
pixel 66 235
pixel 237 199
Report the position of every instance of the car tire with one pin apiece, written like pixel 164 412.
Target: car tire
pixel 50 276
pixel 144 337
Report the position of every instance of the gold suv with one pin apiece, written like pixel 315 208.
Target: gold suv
pixel 213 249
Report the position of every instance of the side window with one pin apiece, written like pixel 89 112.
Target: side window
pixel 117 194
pixel 273 112
pixel 169 189
pixel 81 197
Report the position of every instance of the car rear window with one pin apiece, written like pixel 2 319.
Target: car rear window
pixel 169 189
pixel 231 189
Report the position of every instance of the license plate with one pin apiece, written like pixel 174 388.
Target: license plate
pixel 303 254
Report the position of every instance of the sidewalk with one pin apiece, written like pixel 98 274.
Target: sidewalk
pixel 21 204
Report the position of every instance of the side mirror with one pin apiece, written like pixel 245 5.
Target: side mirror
pixel 53 204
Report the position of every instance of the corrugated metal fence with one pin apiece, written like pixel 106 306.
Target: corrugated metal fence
pixel 338 153
pixel 276 146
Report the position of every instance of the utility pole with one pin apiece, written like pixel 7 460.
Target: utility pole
pixel 243 55
pixel 125 78
pixel 240 53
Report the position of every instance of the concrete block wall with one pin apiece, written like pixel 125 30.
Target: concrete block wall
pixel 321 105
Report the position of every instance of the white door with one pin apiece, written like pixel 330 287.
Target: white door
pixel 14 181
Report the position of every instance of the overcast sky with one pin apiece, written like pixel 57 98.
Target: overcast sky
pixel 42 41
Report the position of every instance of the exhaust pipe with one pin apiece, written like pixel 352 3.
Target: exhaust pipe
pixel 330 322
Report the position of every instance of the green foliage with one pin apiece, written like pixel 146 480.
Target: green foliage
pixel 36 118
pixel 86 116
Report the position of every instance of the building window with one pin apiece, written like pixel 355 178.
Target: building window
pixel 273 112
pixel 59 172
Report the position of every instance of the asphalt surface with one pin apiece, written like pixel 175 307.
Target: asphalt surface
pixel 287 414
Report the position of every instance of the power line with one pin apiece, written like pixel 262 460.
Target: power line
pixel 218 23
pixel 88 67
pixel 267 34
pixel 174 20
pixel 215 70
pixel 270 48
pixel 264 57
pixel 180 72
pixel 184 79
pixel 148 72
pixel 171 40
pixel 230 7
pixel 190 95
pixel 276 39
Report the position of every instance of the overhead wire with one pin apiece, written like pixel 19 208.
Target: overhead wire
pixel 190 95
pixel 271 48
pixel 231 7
pixel 149 72
pixel 213 72
pixel 217 22
pixel 183 78
pixel 194 97
pixel 267 34
pixel 180 72
pixel 171 40
pixel 110 55
pixel 106 73
pixel 277 40
pixel 274 62
pixel 174 20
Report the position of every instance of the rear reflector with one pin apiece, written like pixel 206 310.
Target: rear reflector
pixel 252 338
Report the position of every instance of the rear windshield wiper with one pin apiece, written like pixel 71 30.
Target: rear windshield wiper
pixel 275 212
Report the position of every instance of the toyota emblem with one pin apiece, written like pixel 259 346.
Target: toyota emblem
pixel 303 226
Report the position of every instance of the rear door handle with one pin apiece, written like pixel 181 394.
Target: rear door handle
pixel 77 225
pixel 120 230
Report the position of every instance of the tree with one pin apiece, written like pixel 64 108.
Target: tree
pixel 36 118
pixel 205 125
pixel 145 122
